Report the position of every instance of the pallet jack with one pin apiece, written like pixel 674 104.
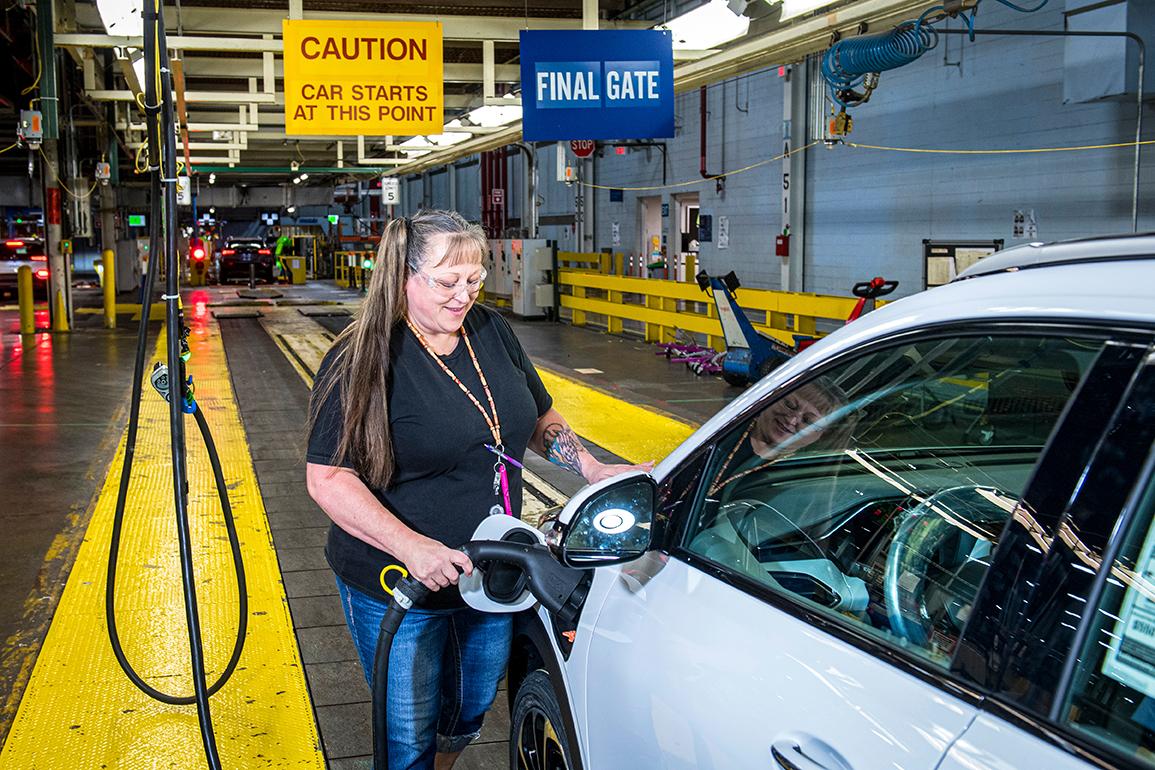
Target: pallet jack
pixel 751 355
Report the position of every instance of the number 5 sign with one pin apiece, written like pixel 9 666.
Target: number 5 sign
pixel 390 190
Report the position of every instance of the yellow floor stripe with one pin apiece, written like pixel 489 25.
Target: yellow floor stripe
pixel 630 431
pixel 302 342
pixel 79 711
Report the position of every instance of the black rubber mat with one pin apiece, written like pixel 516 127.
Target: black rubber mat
pixel 333 323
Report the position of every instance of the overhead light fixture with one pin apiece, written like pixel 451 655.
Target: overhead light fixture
pixel 291 210
pixel 212 178
pixel 449 138
pixel 121 17
pixel 707 26
pixel 304 177
pixel 494 115
pixel 415 141
pixel 792 8
pixel 296 180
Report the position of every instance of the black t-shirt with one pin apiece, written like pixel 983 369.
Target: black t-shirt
pixel 442 484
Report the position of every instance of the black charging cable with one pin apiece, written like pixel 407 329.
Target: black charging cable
pixel 560 590
pixel 162 154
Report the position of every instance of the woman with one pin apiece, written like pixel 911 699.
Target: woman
pixel 419 419
pixel 817 410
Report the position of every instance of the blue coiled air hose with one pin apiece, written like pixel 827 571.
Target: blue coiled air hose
pixel 848 61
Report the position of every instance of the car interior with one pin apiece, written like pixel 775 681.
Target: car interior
pixel 890 525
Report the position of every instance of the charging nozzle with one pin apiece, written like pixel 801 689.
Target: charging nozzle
pixel 160 381
pixel 557 587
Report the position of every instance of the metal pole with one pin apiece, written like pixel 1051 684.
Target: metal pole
pixel 53 234
pixel 24 295
pixel 109 270
pixel 1139 87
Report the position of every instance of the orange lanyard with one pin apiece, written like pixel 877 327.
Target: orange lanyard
pixel 494 423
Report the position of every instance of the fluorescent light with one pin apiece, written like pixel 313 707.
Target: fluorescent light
pixel 707 26
pixel 450 138
pixel 121 17
pixel 304 177
pixel 493 115
pixel 792 8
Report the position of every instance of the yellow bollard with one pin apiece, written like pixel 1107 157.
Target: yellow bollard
pixel 60 316
pixel 24 293
pixel 108 260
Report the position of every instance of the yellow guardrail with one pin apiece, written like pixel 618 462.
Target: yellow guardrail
pixel 663 306
pixel 347 268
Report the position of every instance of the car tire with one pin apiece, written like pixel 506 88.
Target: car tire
pixel 537 735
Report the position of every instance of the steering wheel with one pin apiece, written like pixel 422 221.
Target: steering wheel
pixel 974 512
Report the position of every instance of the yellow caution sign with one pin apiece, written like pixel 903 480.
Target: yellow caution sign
pixel 363 78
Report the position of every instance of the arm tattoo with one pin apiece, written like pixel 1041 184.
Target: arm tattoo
pixel 562 447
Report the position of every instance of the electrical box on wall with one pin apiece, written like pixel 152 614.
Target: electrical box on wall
pixel 1097 68
pixel 29 128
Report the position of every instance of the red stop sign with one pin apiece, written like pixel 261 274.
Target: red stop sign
pixel 583 148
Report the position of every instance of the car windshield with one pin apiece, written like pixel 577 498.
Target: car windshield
pixel 21 250
pixel 879 490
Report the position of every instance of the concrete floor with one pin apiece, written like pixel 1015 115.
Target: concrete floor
pixel 62 410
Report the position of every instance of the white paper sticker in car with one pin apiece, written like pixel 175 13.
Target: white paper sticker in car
pixel 1131 657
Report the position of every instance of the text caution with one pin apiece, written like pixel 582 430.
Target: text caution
pixel 378 78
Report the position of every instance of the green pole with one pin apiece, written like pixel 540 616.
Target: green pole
pixel 48 99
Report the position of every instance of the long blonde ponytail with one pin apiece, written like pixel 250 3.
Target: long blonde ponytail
pixel 363 360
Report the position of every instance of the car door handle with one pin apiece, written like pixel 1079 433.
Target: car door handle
pixel 799 751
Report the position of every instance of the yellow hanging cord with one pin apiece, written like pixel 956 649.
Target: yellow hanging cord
pixel 735 172
pixel 60 182
pixel 1077 148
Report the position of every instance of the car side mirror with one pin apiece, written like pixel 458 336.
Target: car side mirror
pixel 609 523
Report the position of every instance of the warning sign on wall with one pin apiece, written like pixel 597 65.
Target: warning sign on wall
pixel 365 77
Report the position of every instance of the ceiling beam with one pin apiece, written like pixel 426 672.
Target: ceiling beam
pixel 194 97
pixel 239 20
pixel 206 67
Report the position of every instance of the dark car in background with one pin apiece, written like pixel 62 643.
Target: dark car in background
pixel 240 255
pixel 17 252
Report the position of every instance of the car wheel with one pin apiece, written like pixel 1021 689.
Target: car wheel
pixel 537 735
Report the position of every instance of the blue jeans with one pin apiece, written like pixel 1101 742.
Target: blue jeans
pixel 444 669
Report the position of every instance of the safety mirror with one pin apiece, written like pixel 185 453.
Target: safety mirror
pixel 612 524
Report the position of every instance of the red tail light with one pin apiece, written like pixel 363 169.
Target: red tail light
pixel 39 258
pixel 42 274
pixel 228 252
pixel 198 253
pixel 266 252
pixel 14 244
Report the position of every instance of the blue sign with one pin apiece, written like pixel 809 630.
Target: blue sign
pixel 620 85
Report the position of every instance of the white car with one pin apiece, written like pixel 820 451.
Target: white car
pixel 924 543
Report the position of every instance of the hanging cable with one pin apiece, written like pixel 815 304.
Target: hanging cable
pixel 178 391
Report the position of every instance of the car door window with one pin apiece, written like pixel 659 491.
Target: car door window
pixel 1112 698
pixel 876 492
